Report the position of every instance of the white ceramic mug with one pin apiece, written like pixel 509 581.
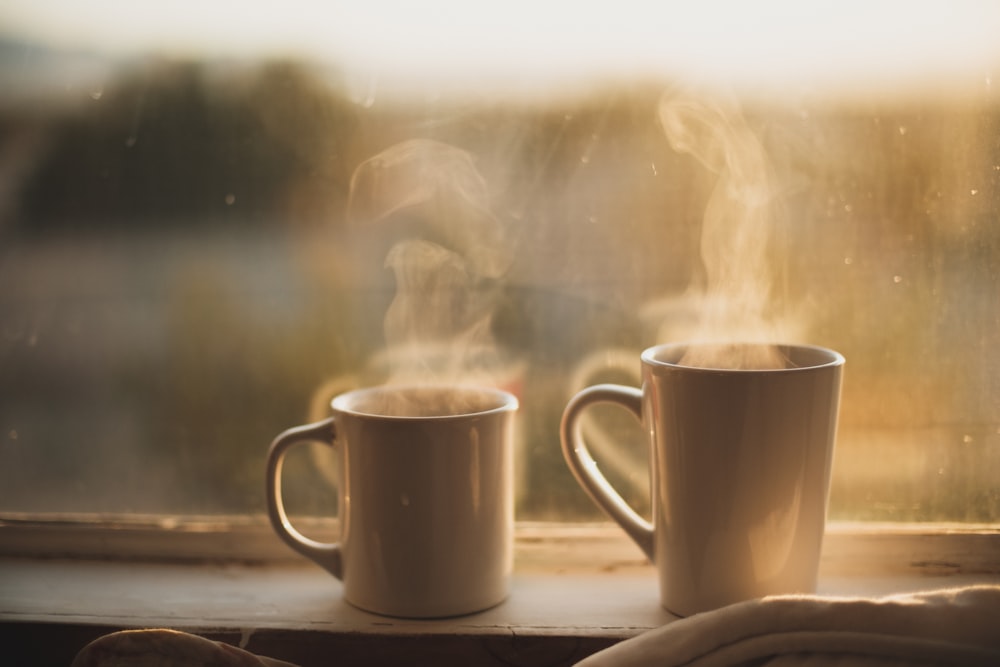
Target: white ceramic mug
pixel 740 472
pixel 426 499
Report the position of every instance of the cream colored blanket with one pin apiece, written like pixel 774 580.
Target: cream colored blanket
pixel 959 627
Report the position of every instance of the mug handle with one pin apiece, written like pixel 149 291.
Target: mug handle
pixel 327 555
pixel 584 468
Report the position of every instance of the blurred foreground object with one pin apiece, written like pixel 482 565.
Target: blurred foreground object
pixel 166 648
pixel 956 626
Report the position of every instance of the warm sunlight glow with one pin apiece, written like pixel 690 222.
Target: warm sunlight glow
pixel 450 42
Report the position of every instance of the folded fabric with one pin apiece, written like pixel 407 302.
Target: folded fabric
pixel 166 648
pixel 945 627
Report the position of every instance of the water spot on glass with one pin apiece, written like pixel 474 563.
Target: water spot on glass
pixel 404 500
pixel 902 130
pixel 230 199
pixel 897 279
pixel 848 260
pixel 12 434
pixel 368 98
pixel 96 94
pixel 967 438
pixel 653 167
pixel 848 208
pixel 973 192
pixel 131 141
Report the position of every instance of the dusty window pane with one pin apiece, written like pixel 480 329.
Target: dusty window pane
pixel 198 253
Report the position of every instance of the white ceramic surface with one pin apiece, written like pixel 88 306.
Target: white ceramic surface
pixel 740 473
pixel 426 505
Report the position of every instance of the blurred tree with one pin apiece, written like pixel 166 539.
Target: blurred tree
pixel 185 144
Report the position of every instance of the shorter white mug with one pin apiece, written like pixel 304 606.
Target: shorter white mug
pixel 426 499
pixel 740 471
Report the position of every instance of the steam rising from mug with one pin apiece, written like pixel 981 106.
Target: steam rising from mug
pixel 448 255
pixel 736 300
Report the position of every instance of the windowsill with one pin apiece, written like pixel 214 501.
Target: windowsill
pixel 571 595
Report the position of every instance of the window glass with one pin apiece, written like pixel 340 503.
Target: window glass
pixel 205 234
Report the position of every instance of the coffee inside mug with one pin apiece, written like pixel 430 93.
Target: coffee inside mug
pixel 420 401
pixel 740 356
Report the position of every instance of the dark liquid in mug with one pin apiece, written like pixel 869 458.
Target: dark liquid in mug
pixel 736 356
pixel 425 402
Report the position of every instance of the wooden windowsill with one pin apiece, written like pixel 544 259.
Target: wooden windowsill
pixel 574 592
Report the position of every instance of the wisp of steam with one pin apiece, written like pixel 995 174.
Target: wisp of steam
pixel 735 303
pixel 448 256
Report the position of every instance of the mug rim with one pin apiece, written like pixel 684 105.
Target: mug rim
pixel 650 355
pixel 346 402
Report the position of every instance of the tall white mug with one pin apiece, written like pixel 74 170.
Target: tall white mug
pixel 426 498
pixel 740 464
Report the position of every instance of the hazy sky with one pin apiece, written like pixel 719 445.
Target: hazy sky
pixel 805 43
